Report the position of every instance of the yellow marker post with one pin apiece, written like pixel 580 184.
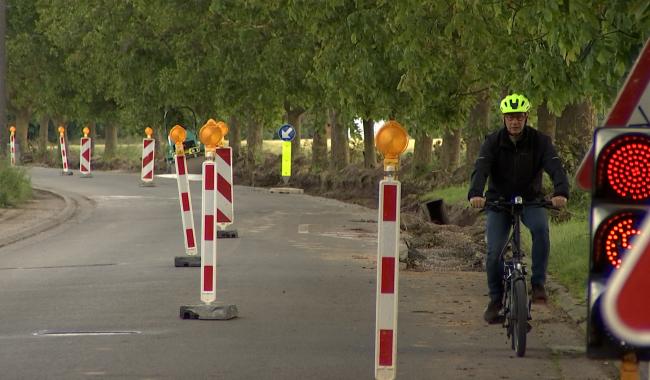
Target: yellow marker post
pixel 12 144
pixel 287 134
pixel 286 161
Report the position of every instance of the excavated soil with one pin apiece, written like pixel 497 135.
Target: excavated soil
pixel 457 245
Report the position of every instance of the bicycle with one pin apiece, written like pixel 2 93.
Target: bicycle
pixel 516 305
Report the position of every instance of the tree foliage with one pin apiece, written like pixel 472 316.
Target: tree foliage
pixel 423 62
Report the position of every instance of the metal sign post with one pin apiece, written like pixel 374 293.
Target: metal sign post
pixel 287 133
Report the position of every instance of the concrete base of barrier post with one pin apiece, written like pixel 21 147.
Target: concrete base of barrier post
pixel 187 261
pixel 211 311
pixel 227 234
pixel 69 172
pixel 147 184
pixel 86 175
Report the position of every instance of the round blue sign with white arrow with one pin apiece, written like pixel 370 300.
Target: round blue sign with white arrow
pixel 287 132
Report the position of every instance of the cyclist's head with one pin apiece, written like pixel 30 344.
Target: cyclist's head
pixel 515 103
pixel 514 108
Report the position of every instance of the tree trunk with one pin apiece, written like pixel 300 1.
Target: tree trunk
pixel 450 150
pixel 294 117
pixel 161 144
pixel 110 147
pixel 574 131
pixel 234 138
pixel 422 153
pixel 478 126
pixel 546 121
pixel 319 144
pixel 43 132
pixel 253 144
pixel 22 127
pixel 4 136
pixel 340 152
pixel 369 154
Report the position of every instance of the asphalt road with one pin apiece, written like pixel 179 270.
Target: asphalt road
pixel 301 274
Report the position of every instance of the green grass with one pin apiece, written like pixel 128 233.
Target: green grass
pixel 15 185
pixel 569 260
pixel 451 195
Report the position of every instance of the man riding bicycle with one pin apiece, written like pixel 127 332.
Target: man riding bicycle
pixel 513 159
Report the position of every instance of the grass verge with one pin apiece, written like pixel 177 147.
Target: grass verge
pixel 15 185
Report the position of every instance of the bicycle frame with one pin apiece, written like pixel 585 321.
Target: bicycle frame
pixel 515 301
pixel 513 268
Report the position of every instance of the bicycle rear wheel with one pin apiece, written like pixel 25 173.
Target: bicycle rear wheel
pixel 519 314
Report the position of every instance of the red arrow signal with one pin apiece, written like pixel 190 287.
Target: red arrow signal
pixel 632 107
pixel 626 306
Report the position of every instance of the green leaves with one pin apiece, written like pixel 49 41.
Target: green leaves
pixel 419 60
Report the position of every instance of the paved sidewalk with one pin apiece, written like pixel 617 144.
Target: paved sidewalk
pixel 46 210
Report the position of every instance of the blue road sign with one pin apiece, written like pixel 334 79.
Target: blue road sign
pixel 287 132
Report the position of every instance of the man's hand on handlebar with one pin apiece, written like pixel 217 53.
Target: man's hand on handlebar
pixel 477 202
pixel 558 201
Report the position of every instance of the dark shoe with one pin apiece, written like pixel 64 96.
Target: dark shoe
pixel 539 294
pixel 491 313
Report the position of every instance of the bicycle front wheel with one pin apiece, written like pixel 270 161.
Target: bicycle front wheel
pixel 519 313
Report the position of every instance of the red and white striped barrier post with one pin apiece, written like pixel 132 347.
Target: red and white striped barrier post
pixel 208 230
pixel 148 151
pixel 210 136
pixel 225 195
pixel 177 135
pixel 12 144
pixel 64 153
pixel 392 141
pixel 85 154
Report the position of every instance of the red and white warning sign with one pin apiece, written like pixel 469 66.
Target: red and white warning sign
pixel 84 156
pixel 625 304
pixel 631 109
pixel 387 279
pixel 225 212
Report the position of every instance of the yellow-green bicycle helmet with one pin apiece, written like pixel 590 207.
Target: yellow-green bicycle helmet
pixel 515 103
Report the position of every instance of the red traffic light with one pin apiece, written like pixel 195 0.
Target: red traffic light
pixel 623 168
pixel 614 238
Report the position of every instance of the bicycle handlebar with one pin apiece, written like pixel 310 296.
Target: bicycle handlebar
pixel 508 204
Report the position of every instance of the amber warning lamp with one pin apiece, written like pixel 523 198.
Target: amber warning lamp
pixel 391 140
pixel 211 135
pixel 12 129
pixel 149 132
pixel 86 131
pixel 61 130
pixel 177 135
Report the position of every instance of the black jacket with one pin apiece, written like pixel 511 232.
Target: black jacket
pixel 517 169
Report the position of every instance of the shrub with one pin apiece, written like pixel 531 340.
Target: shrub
pixel 15 185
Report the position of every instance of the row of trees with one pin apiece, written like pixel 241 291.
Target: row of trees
pixel 439 67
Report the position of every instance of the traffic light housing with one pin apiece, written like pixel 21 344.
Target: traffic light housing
pixel 620 200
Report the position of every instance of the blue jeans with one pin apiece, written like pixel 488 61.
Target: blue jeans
pixel 498 230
